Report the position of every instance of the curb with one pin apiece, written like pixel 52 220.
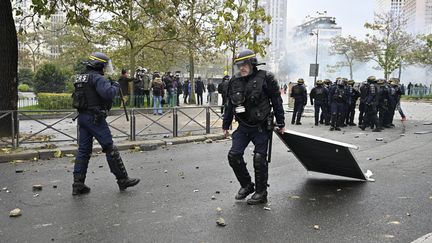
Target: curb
pixel 147 145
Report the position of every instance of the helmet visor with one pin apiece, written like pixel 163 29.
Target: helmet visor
pixel 108 69
pixel 242 68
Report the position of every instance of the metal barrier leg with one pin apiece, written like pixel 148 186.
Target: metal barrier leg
pixel 207 120
pixel 175 122
pixel 132 125
pixel 14 140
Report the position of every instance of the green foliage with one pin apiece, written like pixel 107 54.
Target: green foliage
pixel 351 49
pixel 422 52
pixel 390 43
pixel 236 24
pixel 25 76
pixel 23 88
pixel 49 78
pixel 54 101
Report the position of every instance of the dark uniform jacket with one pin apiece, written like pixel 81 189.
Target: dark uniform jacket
pixel 258 100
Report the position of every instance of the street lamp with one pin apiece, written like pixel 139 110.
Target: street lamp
pixel 316 54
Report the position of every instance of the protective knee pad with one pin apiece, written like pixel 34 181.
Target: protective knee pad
pixel 235 160
pixel 260 161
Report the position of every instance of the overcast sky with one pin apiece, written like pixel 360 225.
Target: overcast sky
pixel 350 14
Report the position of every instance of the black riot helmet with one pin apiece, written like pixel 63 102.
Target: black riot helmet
pixel 100 62
pixel 245 57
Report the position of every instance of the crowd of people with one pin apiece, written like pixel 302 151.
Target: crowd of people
pixel 335 103
pixel 155 89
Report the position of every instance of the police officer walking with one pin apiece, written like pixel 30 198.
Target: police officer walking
pixel 298 92
pixel 252 93
pixel 93 97
pixel 320 95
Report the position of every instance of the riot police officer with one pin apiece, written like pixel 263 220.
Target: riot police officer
pixel 298 92
pixel 338 98
pixel 383 103
pixel 354 94
pixel 362 105
pixel 320 95
pixel 370 117
pixel 93 98
pixel 252 93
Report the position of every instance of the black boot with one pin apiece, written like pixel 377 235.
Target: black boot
pixel 245 191
pixel 78 187
pixel 261 175
pixel 239 167
pixel 127 182
pixel 117 168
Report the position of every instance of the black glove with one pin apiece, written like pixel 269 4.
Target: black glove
pixel 115 83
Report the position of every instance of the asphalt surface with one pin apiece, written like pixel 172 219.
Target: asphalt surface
pixel 173 202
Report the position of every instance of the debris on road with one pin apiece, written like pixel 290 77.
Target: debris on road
pixel 294 197
pixel 220 222
pixel 369 175
pixel 217 192
pixel 267 208
pixel 423 132
pixel 394 222
pixel 379 139
pixel 19 171
pixel 15 213
pixel 209 140
pixel 196 190
pixel 213 197
pixel 316 227
pixel 165 171
pixel 219 210
pixel 37 187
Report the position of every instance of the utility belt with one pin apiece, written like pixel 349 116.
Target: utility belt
pixel 99 114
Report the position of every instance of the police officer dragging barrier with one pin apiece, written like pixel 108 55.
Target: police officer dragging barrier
pixel 252 93
pixel 93 97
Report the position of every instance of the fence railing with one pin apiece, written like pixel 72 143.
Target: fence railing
pixel 419 91
pixel 57 126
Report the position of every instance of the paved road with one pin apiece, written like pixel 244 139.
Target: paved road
pixel 173 203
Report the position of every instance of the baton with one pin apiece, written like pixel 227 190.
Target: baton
pixel 270 127
pixel 123 102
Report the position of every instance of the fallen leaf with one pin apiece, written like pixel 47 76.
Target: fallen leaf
pixel 58 153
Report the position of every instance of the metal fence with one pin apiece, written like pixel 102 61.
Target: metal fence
pixel 419 91
pixel 57 126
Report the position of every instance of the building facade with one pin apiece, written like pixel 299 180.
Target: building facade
pixel 276 31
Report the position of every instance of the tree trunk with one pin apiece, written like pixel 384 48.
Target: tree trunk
pixel 192 75
pixel 351 71
pixel 8 67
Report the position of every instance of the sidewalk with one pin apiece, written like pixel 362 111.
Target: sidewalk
pixel 70 151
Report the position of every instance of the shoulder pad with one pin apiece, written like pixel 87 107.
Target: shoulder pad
pixel 81 78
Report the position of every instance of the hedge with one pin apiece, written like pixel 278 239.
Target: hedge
pixel 54 101
pixel 23 88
